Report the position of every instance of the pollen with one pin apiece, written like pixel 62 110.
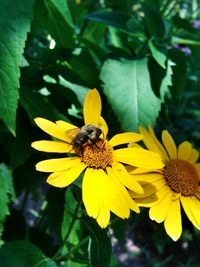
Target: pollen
pixel 181 177
pixel 98 155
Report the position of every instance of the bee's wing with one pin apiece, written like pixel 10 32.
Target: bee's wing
pixel 72 133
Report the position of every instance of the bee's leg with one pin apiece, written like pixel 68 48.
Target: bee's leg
pixel 71 148
pixel 97 146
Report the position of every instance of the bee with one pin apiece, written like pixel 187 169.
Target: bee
pixel 87 134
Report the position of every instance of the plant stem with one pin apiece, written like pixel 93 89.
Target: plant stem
pixel 56 256
pixel 74 249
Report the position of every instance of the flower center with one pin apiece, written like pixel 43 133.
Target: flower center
pixel 98 155
pixel 181 177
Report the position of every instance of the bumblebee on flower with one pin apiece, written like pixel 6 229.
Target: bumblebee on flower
pixel 106 181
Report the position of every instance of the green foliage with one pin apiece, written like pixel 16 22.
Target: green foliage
pixel 130 93
pixel 7 194
pixel 55 17
pixel 158 56
pixel 143 57
pixel 15 22
pixel 23 254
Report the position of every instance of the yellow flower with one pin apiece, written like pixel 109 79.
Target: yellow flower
pixel 105 180
pixel 176 184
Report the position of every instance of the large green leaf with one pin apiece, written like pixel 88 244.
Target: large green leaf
pixel 23 254
pixel 54 15
pixel 128 89
pixel 14 23
pixel 6 194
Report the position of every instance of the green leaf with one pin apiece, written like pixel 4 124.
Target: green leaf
pixel 94 32
pixel 75 264
pixel 184 41
pixel 115 19
pixel 6 194
pixel 181 23
pixel 21 149
pixel 153 19
pixel 114 262
pixel 54 210
pixel 136 26
pixel 128 89
pixel 23 254
pixel 167 80
pixel 158 56
pixel 99 245
pixel 54 15
pixel 119 229
pixel 78 90
pixel 37 105
pixel 15 22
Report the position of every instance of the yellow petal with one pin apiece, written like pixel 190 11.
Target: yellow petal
pixel 163 189
pixel 154 199
pixel 160 210
pixel 148 201
pixel 135 145
pixel 65 178
pixel 112 195
pixel 139 158
pixel 126 179
pixel 195 207
pixel 194 155
pixel 173 224
pixel 135 170
pixel 121 191
pixel 159 145
pixel 191 211
pixel 184 150
pixel 92 107
pixel 103 218
pixel 52 129
pixel 149 189
pixel 148 141
pixel 52 146
pixel 103 125
pixel 149 177
pixel 66 126
pixel 90 190
pixel 125 138
pixel 56 165
pixel 169 144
